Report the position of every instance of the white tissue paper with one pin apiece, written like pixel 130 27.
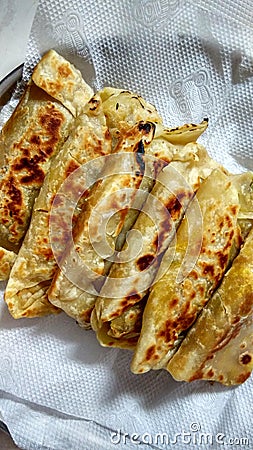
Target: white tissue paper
pixel 59 389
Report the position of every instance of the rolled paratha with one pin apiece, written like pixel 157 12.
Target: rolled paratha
pixel 73 287
pixel 34 267
pixel 76 300
pixel 32 136
pixel 219 346
pixel 115 333
pixel 90 139
pixel 181 292
pixel 64 82
pixel 29 139
pixel 122 332
pixel 156 224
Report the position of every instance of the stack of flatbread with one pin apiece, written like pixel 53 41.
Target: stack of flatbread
pixel 127 226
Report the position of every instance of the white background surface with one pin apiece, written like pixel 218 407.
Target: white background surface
pixel 16 17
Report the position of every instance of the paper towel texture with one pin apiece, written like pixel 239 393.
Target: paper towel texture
pixel 59 389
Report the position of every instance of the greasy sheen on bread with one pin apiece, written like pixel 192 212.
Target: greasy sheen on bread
pixel 64 293
pixel 176 298
pixel 90 138
pixel 219 346
pixel 34 133
pixel 157 223
pixel 32 273
pixel 64 82
pixel 127 226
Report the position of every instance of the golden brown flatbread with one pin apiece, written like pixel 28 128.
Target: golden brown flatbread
pixel 219 346
pixel 32 136
pixel 34 267
pixel 181 292
pixel 28 141
pixel 79 302
pixel 77 297
pixel 64 82
pixel 128 282
pixel 89 139
pixel 73 287
pixel 123 109
pixel 123 330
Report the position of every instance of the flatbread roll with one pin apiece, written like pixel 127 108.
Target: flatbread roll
pixel 64 82
pixel 77 298
pixel 34 267
pixel 219 346
pixel 128 325
pixel 178 296
pixel 156 223
pixel 73 287
pixel 90 138
pixel 116 332
pixel 35 132
pixel 30 138
pixel 122 332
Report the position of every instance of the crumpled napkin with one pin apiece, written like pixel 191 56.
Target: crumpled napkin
pixel 59 389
